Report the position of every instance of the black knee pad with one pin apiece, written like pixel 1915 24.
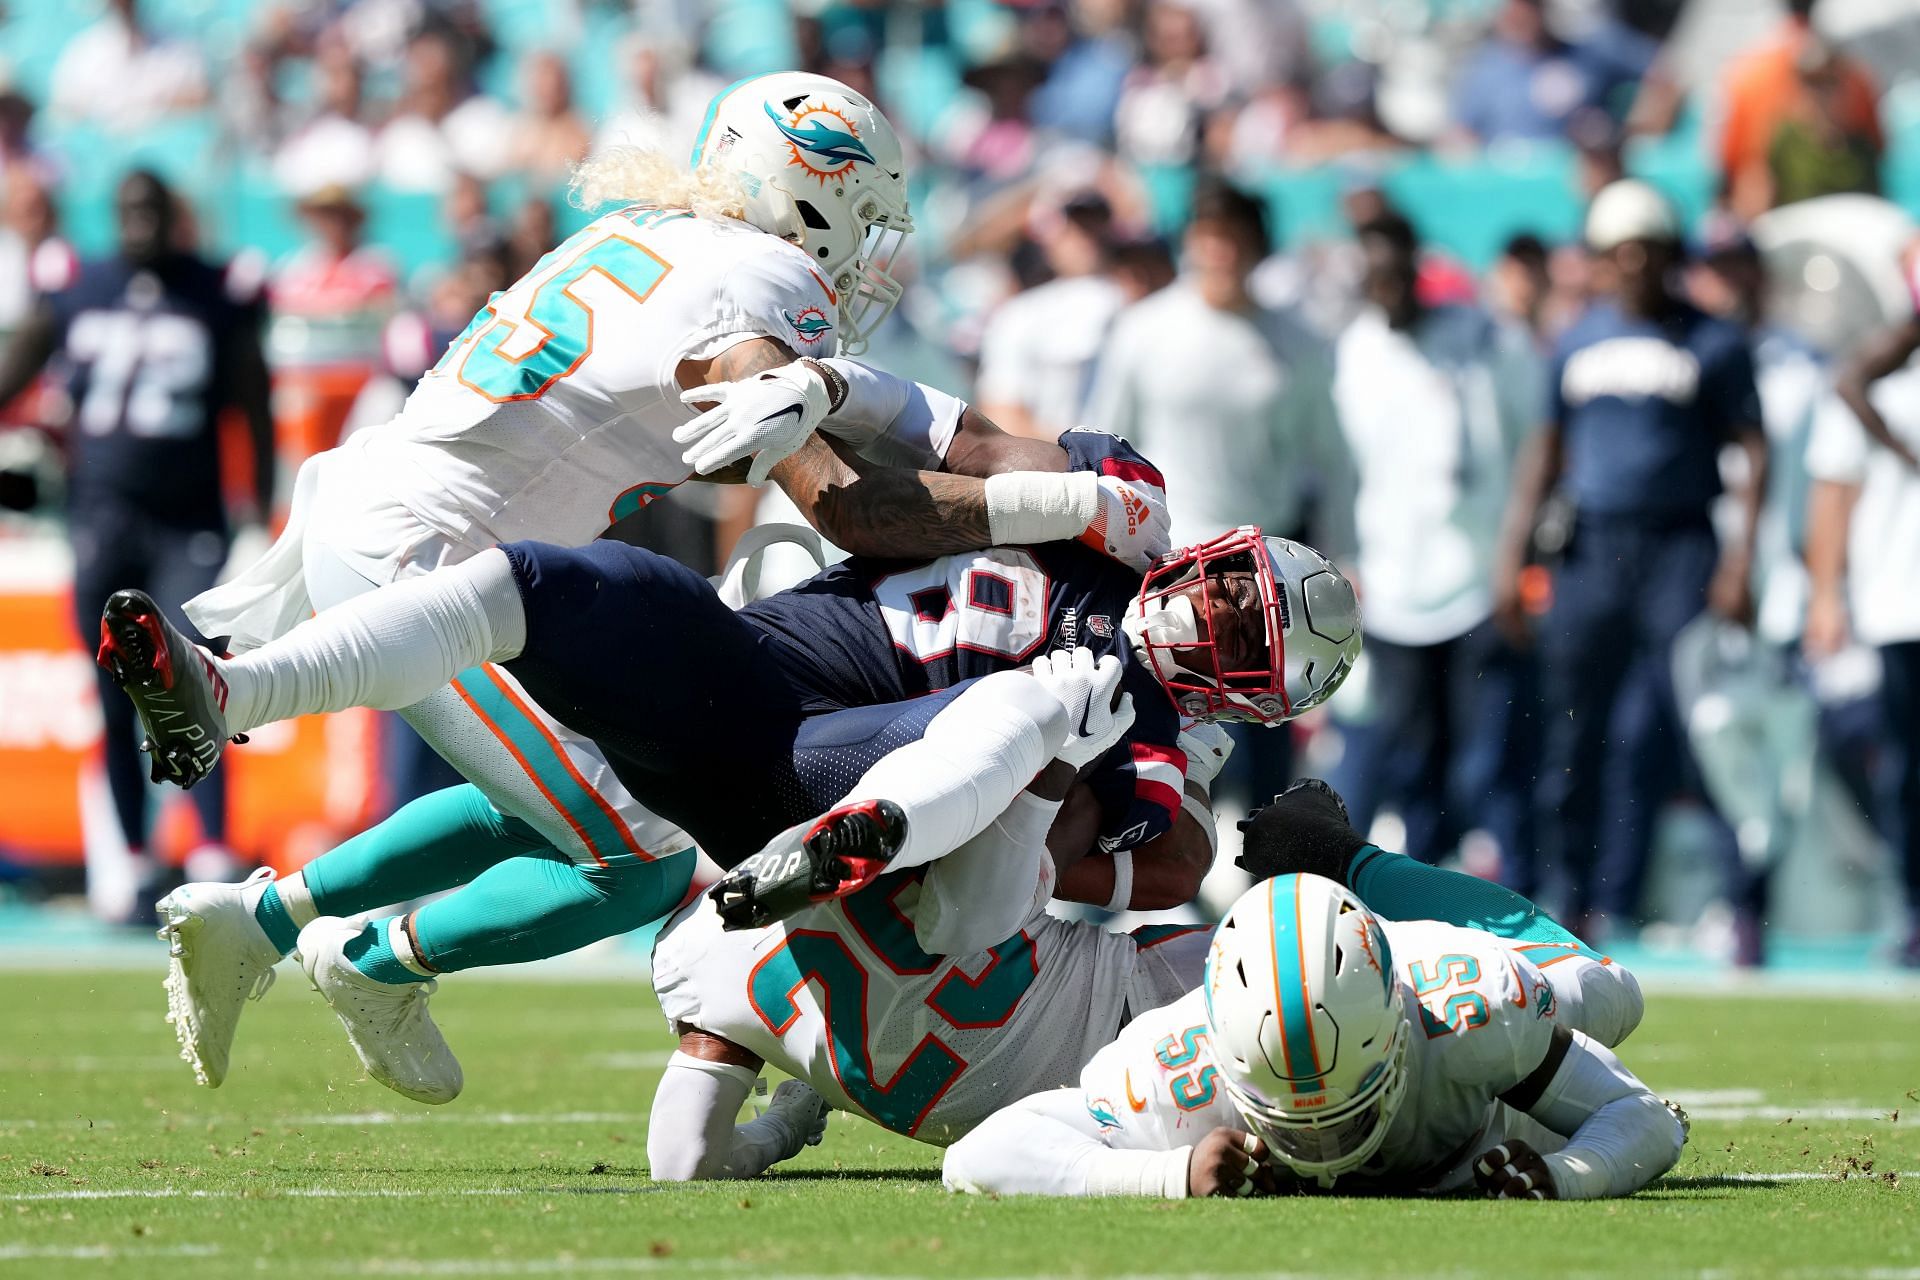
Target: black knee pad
pixel 1303 830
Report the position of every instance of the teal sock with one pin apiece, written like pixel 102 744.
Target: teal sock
pixel 437 842
pixel 532 907
pixel 372 955
pixel 273 916
pixel 1402 888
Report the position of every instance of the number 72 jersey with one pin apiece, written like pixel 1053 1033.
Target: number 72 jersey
pixel 1481 1018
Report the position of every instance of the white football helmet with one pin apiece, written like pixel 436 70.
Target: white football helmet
pixel 1308 617
pixel 822 169
pixel 1308 1026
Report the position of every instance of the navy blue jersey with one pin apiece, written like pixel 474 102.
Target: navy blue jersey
pixel 143 355
pixel 1644 407
pixel 736 724
pixel 870 631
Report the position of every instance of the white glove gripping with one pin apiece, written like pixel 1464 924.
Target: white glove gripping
pixel 1029 507
pixel 1208 747
pixel 765 417
pixel 1131 525
pixel 1086 689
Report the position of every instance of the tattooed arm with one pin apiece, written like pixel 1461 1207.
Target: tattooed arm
pixel 876 510
pixel 871 510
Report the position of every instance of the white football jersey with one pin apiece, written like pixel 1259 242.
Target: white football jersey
pixel 1481 1018
pixel 551 416
pixel 842 997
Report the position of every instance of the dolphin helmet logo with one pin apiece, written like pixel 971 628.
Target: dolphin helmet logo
pixel 817 145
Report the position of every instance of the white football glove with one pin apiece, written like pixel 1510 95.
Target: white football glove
pixel 765 417
pixel 1086 689
pixel 1207 747
pixel 1131 525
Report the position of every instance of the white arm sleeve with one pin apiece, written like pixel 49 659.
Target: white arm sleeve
pixel 691 1134
pixel 891 420
pixel 1619 1136
pixel 1048 1145
pixel 981 894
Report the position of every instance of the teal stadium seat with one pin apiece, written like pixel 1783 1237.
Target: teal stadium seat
pixel 1900 167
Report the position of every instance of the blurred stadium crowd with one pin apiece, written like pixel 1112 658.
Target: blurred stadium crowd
pixel 1324 262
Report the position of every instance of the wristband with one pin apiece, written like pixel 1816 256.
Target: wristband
pixel 1028 507
pixel 836 384
pixel 1122 897
pixel 1201 812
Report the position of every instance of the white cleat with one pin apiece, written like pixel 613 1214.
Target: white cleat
pixel 387 1024
pixel 218 958
pixel 802 1111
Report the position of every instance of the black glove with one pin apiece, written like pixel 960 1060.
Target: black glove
pixel 1303 829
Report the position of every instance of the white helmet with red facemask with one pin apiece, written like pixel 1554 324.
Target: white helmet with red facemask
pixel 1245 627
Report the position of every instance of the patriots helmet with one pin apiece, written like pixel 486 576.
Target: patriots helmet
pixel 1308 1025
pixel 823 170
pixel 1246 627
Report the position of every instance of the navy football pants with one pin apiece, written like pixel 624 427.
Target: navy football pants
pixel 1612 751
pixel 116 547
pixel 687 698
pixel 1451 748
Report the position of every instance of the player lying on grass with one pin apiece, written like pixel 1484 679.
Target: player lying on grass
pixel 638 654
pixel 923 1001
pixel 1326 1047
pixel 571 401
pixel 896 1003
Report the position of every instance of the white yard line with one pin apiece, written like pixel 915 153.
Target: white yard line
pixel 1716 1097
pixel 1782 1114
pixel 322 1193
pixel 89 1062
pixel 102 1252
pixel 630 1061
pixel 355 1119
pixel 652 1188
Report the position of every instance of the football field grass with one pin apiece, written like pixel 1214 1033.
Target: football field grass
pixel 1804 1160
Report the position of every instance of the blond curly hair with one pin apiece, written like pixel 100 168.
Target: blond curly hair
pixel 640 175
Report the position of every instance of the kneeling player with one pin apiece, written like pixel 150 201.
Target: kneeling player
pixel 1327 1047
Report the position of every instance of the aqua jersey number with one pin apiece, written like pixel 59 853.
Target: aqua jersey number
pixel 539 331
pixel 986 999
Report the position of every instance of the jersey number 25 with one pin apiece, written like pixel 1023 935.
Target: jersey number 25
pixel 536 333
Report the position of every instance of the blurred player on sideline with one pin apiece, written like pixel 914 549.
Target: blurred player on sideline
pixel 1644 391
pixel 563 407
pixel 154 343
